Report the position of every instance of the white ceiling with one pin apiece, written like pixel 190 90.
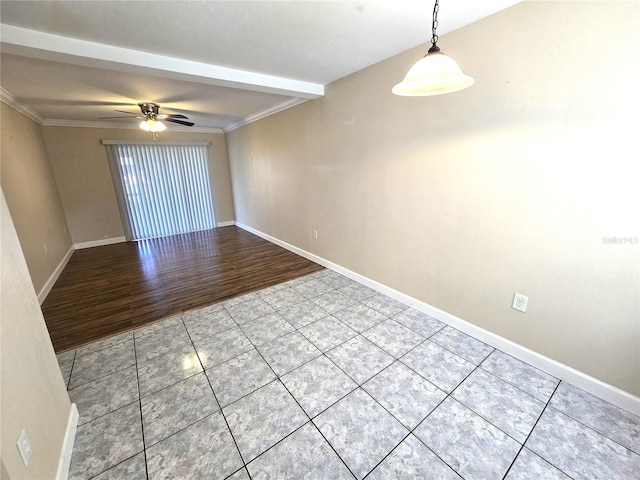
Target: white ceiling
pixel 221 63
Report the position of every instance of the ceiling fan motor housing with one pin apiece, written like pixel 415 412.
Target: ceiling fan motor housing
pixel 149 109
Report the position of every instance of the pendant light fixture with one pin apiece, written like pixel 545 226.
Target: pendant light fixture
pixel 435 73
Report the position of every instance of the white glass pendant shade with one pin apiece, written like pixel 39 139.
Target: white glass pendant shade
pixel 151 125
pixel 433 74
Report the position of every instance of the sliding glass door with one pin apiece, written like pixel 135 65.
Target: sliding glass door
pixel 164 189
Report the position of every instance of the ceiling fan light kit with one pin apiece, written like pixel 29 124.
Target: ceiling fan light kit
pixel 435 73
pixel 151 125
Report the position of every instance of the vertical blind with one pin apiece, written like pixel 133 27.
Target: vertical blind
pixel 164 189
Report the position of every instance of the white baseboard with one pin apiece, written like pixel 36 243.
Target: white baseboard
pixel 581 380
pixel 42 295
pixel 67 445
pixel 225 224
pixel 99 243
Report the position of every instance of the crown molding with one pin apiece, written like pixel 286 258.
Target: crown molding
pixel 7 98
pixel 279 107
pixel 53 122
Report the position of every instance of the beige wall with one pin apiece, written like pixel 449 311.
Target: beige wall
pixel 32 195
pixel 463 199
pixel 33 392
pixel 80 165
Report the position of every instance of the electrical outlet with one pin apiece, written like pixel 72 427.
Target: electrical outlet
pixel 520 302
pixel 315 234
pixel 24 447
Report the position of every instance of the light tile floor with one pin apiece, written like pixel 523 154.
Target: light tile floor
pixel 324 378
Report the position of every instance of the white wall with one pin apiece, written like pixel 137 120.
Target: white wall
pixel 463 199
pixel 32 195
pixel 34 397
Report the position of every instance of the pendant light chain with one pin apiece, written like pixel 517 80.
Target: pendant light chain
pixel 434 24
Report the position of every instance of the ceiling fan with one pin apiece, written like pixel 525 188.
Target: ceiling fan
pixel 151 119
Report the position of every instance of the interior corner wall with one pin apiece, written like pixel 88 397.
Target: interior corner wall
pixel 526 182
pixel 32 195
pixel 83 176
pixel 34 397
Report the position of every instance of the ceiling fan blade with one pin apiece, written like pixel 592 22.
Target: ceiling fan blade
pixel 122 111
pixel 173 115
pixel 104 118
pixel 181 122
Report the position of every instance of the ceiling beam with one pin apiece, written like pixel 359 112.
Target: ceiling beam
pixel 46 46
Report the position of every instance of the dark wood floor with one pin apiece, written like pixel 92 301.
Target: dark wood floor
pixel 115 288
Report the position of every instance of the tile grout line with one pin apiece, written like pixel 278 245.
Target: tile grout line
pixel 482 416
pixel 115 410
pixel 522 446
pixel 144 442
pixel 511 383
pixel 73 362
pixel 277 378
pixel 309 419
pixel 360 386
pixel 76 359
pixel 204 372
pixel 329 443
pixel 447 395
pixel 589 426
pixel 479 367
